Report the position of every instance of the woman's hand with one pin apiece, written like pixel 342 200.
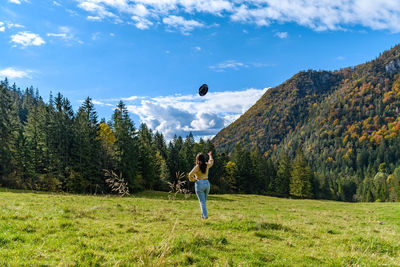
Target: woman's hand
pixel 209 154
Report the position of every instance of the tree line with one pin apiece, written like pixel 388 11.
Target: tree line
pixel 47 146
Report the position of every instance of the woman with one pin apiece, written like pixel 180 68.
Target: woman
pixel 202 185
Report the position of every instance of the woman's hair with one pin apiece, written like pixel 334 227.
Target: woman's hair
pixel 201 161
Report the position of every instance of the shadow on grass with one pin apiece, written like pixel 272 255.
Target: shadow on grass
pixel 220 198
pixel 10 190
pixel 267 235
pixel 247 226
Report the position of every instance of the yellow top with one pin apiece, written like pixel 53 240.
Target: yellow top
pixel 196 173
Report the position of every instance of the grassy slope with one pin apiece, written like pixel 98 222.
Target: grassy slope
pixel 148 229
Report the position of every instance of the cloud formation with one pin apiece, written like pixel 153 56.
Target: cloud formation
pixel 182 114
pixel 142 23
pixel 98 9
pixel 318 15
pixel 66 34
pixel 14 25
pixel 27 39
pixel 228 64
pixel 9 26
pixel 13 73
pixel 181 24
pixel 18 2
pixel 282 35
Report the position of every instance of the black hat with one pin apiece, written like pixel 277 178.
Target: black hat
pixel 203 90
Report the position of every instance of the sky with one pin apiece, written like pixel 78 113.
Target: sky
pixel 155 54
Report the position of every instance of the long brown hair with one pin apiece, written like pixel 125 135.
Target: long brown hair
pixel 201 161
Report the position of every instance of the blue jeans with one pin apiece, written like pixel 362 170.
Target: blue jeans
pixel 202 188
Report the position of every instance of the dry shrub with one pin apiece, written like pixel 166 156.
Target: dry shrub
pixel 178 187
pixel 117 183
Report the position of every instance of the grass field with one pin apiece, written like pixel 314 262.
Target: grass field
pixel 149 230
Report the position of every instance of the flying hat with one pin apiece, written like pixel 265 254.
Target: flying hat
pixel 203 90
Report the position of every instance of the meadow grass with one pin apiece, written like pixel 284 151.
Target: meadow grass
pixel 148 229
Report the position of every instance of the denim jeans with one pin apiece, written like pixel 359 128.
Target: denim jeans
pixel 202 188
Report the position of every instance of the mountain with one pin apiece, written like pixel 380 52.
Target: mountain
pixel 280 111
pixel 346 121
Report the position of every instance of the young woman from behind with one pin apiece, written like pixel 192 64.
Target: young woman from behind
pixel 199 174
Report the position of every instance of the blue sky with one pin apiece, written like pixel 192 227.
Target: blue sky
pixel 154 54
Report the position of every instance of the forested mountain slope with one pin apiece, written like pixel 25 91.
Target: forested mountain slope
pixel 283 108
pixel 346 122
pixel 279 111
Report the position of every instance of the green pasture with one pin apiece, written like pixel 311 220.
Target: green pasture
pixel 149 229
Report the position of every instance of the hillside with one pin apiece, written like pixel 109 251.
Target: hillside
pixel 346 122
pixel 279 111
pixel 148 229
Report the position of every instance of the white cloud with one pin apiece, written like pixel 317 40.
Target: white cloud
pixel 181 24
pixel 94 7
pixel 228 64
pixel 14 25
pixel 140 10
pixel 100 103
pixel 18 2
pixel 142 23
pixel 65 33
pixel 73 13
pixel 318 15
pixel 13 73
pixel 282 35
pixel 182 114
pixel 56 3
pixel 27 39
pixel 61 35
pixel 131 98
pixel 93 18
pixel 322 15
pixel 9 25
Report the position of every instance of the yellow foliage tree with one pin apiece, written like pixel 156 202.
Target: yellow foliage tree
pixel 106 134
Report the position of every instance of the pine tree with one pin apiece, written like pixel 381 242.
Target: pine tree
pixel 87 151
pixel 126 147
pixel 160 145
pixel 282 182
pixel 186 152
pixel 260 172
pixel 231 174
pixel 35 140
pixel 379 181
pixel 245 178
pixel 146 157
pixel 175 161
pixel 393 182
pixel 301 177
pixel 61 139
pixel 162 171
pixel 8 131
